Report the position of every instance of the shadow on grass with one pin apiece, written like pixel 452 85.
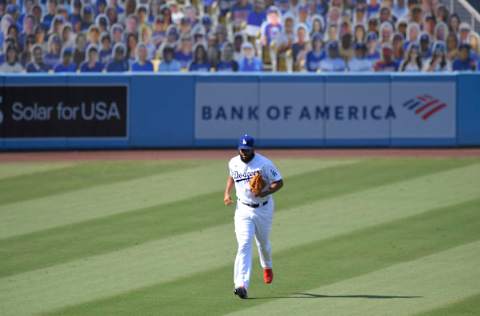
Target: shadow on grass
pixel 313 295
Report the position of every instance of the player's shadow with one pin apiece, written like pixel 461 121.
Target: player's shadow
pixel 361 296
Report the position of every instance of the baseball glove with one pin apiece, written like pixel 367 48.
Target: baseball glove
pixel 257 183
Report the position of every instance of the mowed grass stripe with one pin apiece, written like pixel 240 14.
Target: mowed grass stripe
pixel 102 235
pixel 465 307
pixel 341 180
pixel 413 286
pixel 77 177
pixel 182 255
pixel 11 169
pixel 301 268
pixel 104 200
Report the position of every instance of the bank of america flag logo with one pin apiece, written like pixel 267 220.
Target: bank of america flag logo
pixel 425 106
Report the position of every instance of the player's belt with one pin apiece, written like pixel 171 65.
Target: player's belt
pixel 254 205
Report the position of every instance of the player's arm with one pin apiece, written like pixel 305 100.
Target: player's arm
pixel 272 188
pixel 227 199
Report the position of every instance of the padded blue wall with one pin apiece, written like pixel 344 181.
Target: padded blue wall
pixel 162 111
pixel 468 118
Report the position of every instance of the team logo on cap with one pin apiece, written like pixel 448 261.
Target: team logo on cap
pixel 425 106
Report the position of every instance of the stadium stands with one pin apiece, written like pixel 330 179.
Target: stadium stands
pixel 235 35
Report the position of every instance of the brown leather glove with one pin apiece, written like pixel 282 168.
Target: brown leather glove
pixel 257 184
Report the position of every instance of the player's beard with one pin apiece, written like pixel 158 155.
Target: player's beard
pixel 246 158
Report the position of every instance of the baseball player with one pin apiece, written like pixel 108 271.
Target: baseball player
pixel 254 210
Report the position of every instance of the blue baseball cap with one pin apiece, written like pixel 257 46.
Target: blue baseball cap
pixel 424 37
pixel 206 20
pixel 246 142
pixel 87 9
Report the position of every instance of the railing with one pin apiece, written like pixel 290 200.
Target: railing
pixel 466 12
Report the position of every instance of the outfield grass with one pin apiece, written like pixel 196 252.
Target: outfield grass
pixel 350 237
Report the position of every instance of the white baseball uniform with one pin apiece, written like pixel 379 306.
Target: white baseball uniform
pixel 253 215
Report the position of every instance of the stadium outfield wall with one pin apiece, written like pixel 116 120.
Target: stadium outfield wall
pixel 205 110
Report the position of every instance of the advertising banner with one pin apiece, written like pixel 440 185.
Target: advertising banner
pixel 267 110
pixel 292 110
pixel 63 111
pixel 424 109
pixel 358 110
pixel 226 110
pixel 350 110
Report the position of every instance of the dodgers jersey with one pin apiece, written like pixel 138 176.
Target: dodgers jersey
pixel 241 173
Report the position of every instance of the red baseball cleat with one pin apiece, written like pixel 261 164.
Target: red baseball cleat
pixel 267 275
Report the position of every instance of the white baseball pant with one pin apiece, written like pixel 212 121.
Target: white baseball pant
pixel 250 222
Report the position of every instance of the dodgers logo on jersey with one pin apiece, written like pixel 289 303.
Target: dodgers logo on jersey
pixel 273 172
pixel 243 176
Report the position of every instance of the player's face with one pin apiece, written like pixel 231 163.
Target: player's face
pixel 246 154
